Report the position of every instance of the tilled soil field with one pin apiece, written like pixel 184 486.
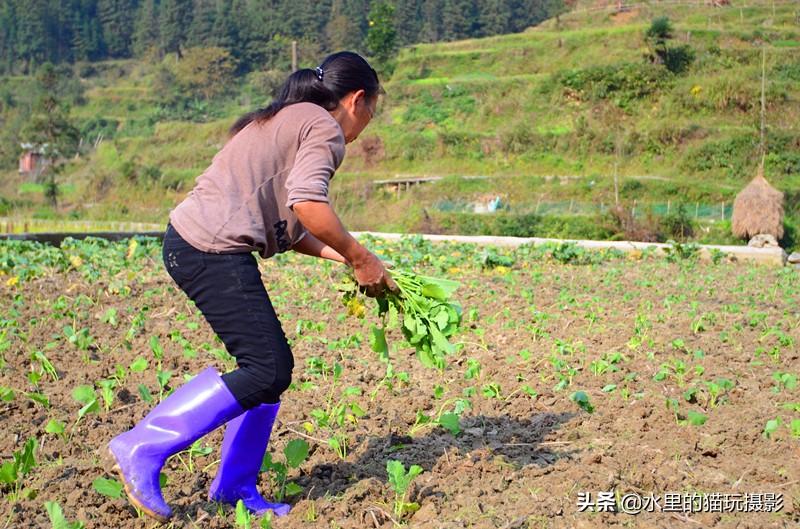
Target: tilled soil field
pixel 623 376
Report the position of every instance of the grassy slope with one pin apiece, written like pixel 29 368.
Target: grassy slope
pixel 491 107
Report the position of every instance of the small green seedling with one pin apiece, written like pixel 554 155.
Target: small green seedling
pixel 295 452
pixel 582 400
pixel 57 519
pixel 400 480
pixel 244 519
pixel 12 472
pixel 85 395
pixel 771 427
pixel 108 487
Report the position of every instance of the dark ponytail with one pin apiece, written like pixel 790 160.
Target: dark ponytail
pixel 338 75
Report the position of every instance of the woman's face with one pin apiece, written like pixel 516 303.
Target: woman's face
pixel 354 113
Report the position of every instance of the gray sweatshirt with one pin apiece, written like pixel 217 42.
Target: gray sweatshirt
pixel 243 201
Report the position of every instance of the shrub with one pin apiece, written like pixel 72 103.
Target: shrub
pixel 678 224
pixel 622 83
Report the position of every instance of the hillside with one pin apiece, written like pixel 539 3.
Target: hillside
pixel 548 115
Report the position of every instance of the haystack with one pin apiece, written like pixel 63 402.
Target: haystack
pixel 758 209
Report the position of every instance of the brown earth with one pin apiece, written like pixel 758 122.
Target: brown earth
pixel 519 461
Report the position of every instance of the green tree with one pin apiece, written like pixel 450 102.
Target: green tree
pixel 205 72
pixel 203 17
pixel 342 31
pixel 116 19
pixel 145 31
pixel 459 19
pixel 408 22
pixel 174 18
pixel 50 130
pixel 495 15
pixel 381 36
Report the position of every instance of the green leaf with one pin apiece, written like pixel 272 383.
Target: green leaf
pixel 582 400
pixel 771 427
pixel 608 388
pixel 377 341
pixel 296 451
pixel 243 516
pixel 450 421
pixel 396 472
pixel 163 377
pixel 6 394
pixel 25 459
pixel 695 418
pixel 8 472
pixel 144 392
pixel 266 521
pixel 108 487
pixel 84 394
pixel 57 519
pixel 39 398
pixel 794 426
pixel 138 365
pixel 438 288
pixel 292 489
pixel 90 407
pixel 54 427
pixel 155 346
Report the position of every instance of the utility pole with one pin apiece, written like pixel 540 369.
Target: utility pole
pixel 763 142
pixel 294 55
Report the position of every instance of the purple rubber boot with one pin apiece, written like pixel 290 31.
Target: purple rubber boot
pixel 190 412
pixel 246 439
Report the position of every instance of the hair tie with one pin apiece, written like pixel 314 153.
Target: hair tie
pixel 319 72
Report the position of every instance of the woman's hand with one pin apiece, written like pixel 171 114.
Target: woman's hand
pixel 372 276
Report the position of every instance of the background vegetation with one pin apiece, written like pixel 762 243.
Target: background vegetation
pixel 547 117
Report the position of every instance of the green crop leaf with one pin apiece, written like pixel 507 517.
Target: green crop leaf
pixel 8 472
pixel 296 451
pixel 377 341
pixel 695 418
pixel 57 519
pixel 84 394
pixel 144 392
pixel 582 400
pixel 771 427
pixel 794 426
pixel 25 459
pixel 6 394
pixel 138 365
pixel 243 517
pixel 155 347
pixel 399 479
pixel 293 489
pixel 54 427
pixel 450 422
pixel 108 487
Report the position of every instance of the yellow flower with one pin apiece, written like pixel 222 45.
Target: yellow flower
pixel 696 89
pixel 12 281
pixel 131 248
pixel 75 261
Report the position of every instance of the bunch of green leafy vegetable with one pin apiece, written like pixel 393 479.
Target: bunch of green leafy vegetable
pixel 423 309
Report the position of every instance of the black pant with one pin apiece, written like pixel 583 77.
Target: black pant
pixel 228 290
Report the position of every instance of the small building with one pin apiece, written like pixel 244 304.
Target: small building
pixel 33 162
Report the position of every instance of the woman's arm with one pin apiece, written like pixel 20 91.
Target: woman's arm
pixel 322 222
pixel 310 245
